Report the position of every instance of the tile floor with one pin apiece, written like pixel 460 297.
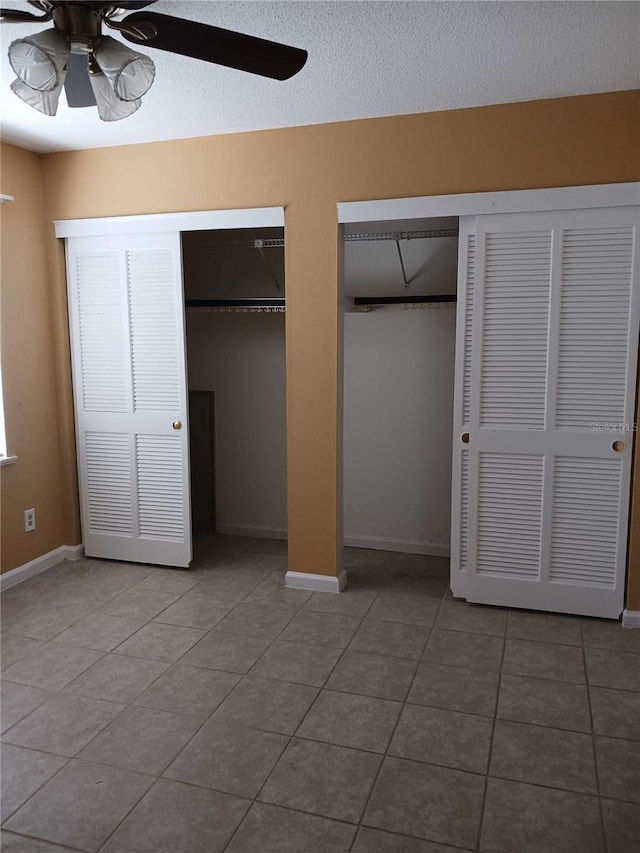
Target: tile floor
pixel 148 710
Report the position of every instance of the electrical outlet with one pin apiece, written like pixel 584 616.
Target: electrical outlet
pixel 29 520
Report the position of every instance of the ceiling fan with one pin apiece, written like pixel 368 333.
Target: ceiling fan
pixel 95 69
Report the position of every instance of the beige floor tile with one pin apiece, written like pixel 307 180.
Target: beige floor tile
pixel 297 663
pixel 177 818
pixel 609 634
pixel 117 678
pixel 424 564
pixel 373 675
pixel 447 738
pixel 456 648
pixel 100 631
pixel 473 618
pixel 188 690
pixel 622 826
pixel 544 660
pixel 272 590
pixel 434 803
pixel 323 779
pixel 354 600
pixel 404 606
pixel 390 638
pixel 228 652
pixel 270 829
pixel 18 700
pixel 23 772
pixel 346 719
pixel 11 843
pixel 257 620
pixel 12 648
pixel 615 712
pixel 543 756
pixel 63 724
pixel 169 580
pixel 619 768
pixel 142 739
pixel 228 758
pixel 40 621
pixel 139 603
pixel 81 805
pixel 51 665
pixel 544 627
pixel 377 841
pixel 613 669
pixel 264 703
pixel 193 611
pixel 456 688
pixel 522 818
pixel 160 642
pixel 321 629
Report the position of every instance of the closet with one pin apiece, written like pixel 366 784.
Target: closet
pixel 399 297
pixel 234 290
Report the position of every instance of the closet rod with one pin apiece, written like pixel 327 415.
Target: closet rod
pixel 403 300
pixel 278 242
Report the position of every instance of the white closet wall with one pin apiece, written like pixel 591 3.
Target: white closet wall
pixel 398 391
pixel 242 358
pixel 398 409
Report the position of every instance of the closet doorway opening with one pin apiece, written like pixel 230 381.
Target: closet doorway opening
pixel 234 288
pixel 398 287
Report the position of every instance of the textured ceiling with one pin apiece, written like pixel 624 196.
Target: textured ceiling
pixel 365 59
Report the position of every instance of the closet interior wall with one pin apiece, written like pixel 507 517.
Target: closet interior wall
pixel 239 355
pixel 398 388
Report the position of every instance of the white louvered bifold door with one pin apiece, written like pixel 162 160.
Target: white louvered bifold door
pixel 126 313
pixel 547 401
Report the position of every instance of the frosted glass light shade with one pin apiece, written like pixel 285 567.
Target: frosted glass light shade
pixel 39 60
pixel 131 74
pixel 110 107
pixel 44 102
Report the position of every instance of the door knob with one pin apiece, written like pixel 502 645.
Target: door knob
pixel 464 438
pixel 177 424
pixel 618 446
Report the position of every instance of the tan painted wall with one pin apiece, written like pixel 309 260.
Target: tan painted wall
pixel 561 142
pixel 29 378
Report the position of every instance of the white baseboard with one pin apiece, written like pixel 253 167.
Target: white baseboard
pixel 382 543
pixel 317 583
pixel 631 618
pixel 245 530
pixel 40 564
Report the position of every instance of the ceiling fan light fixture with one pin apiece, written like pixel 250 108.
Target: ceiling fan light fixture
pixel 44 102
pixel 110 106
pixel 39 60
pixel 130 73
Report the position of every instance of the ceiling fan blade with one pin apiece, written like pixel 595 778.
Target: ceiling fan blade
pixel 77 86
pixel 224 47
pixel 17 16
pixel 133 4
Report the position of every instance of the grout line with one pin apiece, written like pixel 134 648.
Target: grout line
pixel 605 845
pixel 395 727
pixel 491 739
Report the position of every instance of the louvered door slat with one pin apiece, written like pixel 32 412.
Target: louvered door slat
pixel 516 283
pixel 154 329
pixel 127 335
pixel 554 340
pixel 101 332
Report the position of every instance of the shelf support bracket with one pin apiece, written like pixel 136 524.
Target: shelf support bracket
pixel 258 244
pixel 401 259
